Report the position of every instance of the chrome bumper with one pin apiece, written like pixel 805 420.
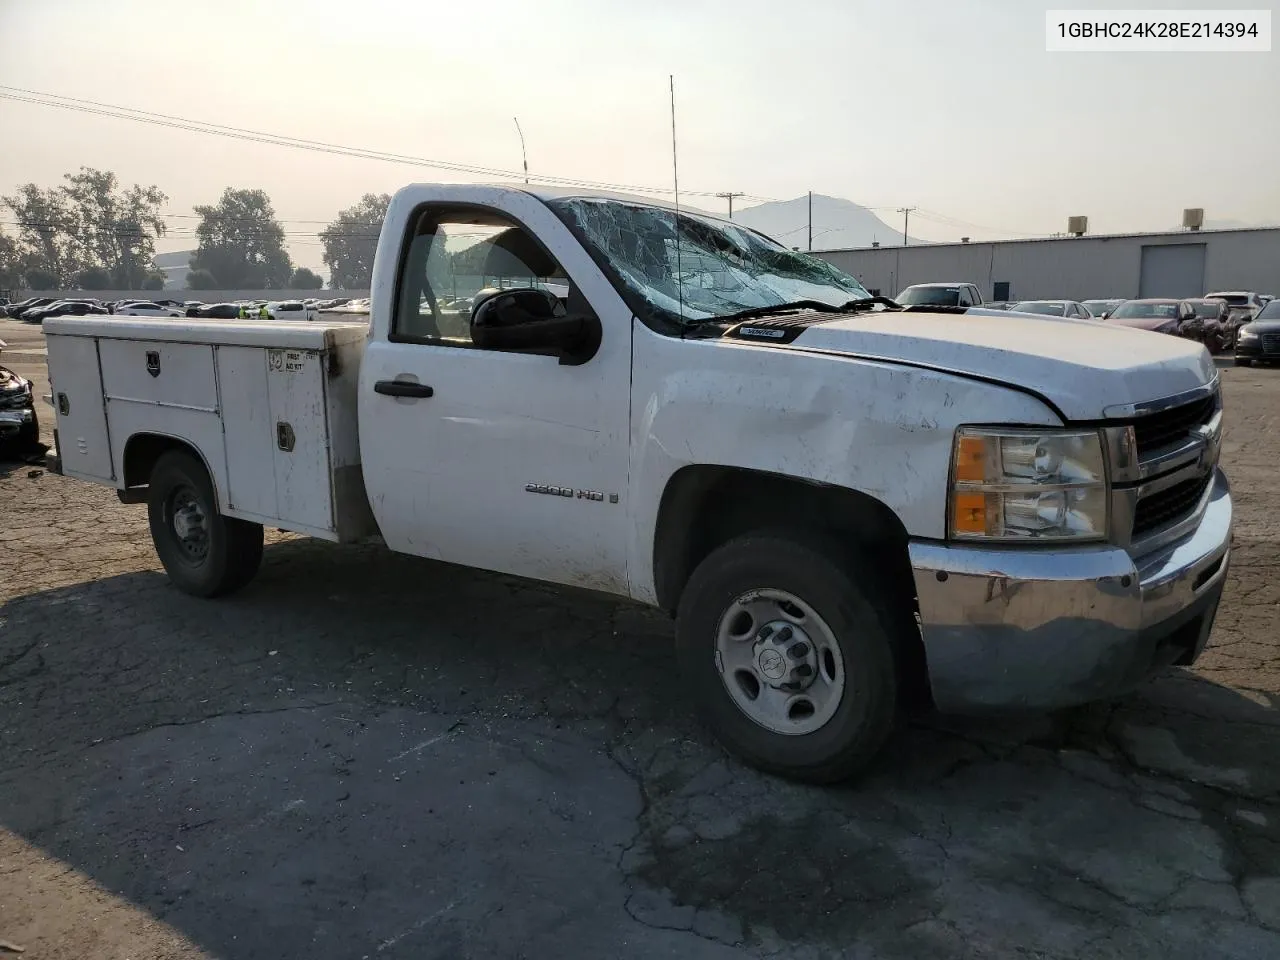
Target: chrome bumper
pixel 1039 629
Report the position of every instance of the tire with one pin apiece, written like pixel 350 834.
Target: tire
pixel 1242 362
pixel 219 554
pixel 840 610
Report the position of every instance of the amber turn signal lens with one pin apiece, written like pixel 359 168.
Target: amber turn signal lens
pixel 971 459
pixel 969 513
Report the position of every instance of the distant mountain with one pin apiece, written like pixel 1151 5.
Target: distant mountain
pixel 837 223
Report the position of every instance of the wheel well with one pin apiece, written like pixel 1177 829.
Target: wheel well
pixel 705 506
pixel 143 450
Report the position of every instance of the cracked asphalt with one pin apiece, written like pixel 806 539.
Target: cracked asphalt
pixel 365 755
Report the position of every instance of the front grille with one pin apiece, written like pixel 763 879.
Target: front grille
pixel 1169 505
pixel 1271 343
pixel 1157 430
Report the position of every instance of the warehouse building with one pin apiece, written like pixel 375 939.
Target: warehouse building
pixel 1187 263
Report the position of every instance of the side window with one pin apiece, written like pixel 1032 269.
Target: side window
pixel 975 295
pixel 458 256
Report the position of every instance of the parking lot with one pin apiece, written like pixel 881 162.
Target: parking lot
pixel 368 755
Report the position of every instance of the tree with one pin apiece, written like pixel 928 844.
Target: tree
pixel 350 242
pixel 41 279
pixel 89 221
pixel 154 281
pixel 116 229
pixel 304 279
pixel 94 278
pixel 201 280
pixel 10 262
pixel 46 232
pixel 241 243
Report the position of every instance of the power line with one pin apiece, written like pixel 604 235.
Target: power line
pixel 116 111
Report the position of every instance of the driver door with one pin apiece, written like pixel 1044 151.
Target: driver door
pixel 505 460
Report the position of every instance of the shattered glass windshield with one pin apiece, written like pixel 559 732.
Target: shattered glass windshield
pixel 716 269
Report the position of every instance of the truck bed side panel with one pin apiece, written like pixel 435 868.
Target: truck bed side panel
pixel 82 430
pixel 250 435
pixel 295 387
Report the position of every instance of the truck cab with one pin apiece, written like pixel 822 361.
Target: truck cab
pixel 845 504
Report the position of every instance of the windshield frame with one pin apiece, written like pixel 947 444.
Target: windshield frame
pixel 652 315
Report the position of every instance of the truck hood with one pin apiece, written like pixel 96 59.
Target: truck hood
pixel 1086 369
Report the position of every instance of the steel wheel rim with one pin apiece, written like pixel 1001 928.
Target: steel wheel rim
pixel 779 662
pixel 189 524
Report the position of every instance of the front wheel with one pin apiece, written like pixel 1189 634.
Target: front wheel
pixel 1242 362
pixel 786 644
pixel 204 553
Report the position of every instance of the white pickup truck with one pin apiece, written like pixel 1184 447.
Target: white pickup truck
pixel 844 503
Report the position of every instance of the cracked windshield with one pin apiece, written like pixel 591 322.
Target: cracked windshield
pixel 713 269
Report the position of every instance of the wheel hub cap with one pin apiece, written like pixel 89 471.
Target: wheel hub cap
pixel 785 657
pixel 780 662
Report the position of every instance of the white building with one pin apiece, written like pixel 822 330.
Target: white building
pixel 1181 264
pixel 175 267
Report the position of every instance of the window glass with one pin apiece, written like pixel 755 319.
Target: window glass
pixel 929 296
pixel 458 255
pixel 1270 312
pixel 709 269
pixel 1134 310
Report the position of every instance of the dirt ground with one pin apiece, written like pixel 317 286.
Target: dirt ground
pixel 365 755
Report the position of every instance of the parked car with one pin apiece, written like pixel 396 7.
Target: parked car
pixel 35 303
pixel 940 295
pixel 290 310
pixel 1069 309
pixel 1259 340
pixel 1100 308
pixel 19 423
pixel 64 308
pixel 1244 304
pixel 990 532
pixel 147 308
pixel 1156 314
pixel 215 311
pixel 1210 325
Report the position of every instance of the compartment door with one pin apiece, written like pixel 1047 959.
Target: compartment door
pixel 76 384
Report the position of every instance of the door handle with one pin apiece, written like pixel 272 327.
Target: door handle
pixel 403 388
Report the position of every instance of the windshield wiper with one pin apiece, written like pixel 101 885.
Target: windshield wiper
pixel 772 308
pixel 852 306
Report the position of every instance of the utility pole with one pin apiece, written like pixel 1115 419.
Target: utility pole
pixel 729 195
pixel 906 217
pixel 523 156
pixel 810 221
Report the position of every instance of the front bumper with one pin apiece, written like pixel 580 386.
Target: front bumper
pixel 1254 350
pixel 1040 629
pixel 14 421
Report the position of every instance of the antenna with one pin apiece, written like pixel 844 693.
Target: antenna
pixel 675 178
pixel 523 156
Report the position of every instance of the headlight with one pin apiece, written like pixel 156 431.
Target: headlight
pixel 1019 485
pixel 1247 334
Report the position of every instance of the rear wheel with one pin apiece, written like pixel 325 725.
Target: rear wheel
pixel 204 553
pixel 788 648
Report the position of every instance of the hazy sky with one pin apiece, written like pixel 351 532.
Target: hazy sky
pixel 951 105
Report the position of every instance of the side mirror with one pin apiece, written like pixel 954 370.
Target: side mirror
pixel 519 320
